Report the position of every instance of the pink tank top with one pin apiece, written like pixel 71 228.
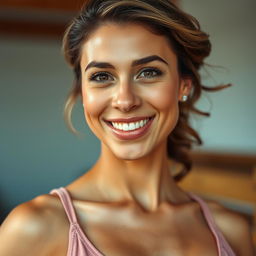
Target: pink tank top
pixel 80 245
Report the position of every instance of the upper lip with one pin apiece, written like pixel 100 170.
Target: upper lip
pixel 127 120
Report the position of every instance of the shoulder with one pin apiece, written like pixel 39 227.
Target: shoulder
pixel 235 228
pixel 30 226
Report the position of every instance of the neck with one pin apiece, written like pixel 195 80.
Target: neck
pixel 146 181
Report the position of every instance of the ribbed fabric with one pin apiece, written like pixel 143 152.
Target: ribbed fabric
pixel 80 245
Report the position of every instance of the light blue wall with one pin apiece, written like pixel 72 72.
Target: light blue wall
pixel 38 153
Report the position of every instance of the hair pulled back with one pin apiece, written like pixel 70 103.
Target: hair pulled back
pixel 190 44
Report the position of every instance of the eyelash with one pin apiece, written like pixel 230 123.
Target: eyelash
pixel 157 72
pixel 95 76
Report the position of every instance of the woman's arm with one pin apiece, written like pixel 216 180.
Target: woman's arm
pixel 25 232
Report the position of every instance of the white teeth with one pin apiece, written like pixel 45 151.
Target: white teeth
pixel 137 125
pixel 130 126
pixel 125 127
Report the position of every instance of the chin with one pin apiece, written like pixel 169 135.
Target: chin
pixel 130 153
pixel 129 156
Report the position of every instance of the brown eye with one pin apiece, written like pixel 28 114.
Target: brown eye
pixel 150 73
pixel 101 77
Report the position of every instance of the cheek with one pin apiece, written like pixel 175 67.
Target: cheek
pixel 94 104
pixel 164 97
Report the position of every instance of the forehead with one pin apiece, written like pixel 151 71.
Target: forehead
pixel 124 43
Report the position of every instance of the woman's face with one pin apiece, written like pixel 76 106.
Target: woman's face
pixel 130 89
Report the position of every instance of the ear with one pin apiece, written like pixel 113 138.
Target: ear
pixel 185 88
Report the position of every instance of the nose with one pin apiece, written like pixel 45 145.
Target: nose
pixel 125 98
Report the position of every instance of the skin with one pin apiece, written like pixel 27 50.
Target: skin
pixel 128 203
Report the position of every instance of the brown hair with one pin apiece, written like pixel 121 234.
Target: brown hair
pixel 182 30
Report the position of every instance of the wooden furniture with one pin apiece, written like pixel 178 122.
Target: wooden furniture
pixel 61 5
pixel 43 18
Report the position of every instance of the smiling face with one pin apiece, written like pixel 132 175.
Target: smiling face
pixel 130 89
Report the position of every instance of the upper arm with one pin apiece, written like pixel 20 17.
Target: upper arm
pixel 24 231
pixel 236 230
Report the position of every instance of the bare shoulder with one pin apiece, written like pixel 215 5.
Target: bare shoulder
pixel 235 228
pixel 29 227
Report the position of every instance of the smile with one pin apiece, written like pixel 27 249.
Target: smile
pixel 131 128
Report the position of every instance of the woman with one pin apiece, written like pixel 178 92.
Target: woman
pixel 136 69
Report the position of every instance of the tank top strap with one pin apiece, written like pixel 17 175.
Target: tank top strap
pixel 67 203
pixel 209 219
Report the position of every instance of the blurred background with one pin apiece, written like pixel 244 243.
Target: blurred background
pixel 38 153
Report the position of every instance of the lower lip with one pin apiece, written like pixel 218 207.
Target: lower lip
pixel 131 135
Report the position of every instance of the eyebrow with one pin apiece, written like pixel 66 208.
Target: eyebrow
pixel 134 63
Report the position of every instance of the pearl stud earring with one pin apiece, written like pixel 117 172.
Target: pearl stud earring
pixel 184 98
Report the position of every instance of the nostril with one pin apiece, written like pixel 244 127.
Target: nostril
pixel 126 102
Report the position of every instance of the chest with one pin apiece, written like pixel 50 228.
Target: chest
pixel 153 242
pixel 146 235
pixel 160 234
